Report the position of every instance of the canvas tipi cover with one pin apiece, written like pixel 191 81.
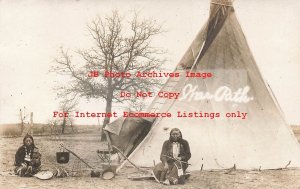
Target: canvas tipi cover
pixel 262 140
pixel 127 133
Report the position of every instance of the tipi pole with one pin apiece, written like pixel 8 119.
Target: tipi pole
pixel 126 159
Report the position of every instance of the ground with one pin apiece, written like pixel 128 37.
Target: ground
pixel 86 144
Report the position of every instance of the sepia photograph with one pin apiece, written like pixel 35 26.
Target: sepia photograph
pixel 150 94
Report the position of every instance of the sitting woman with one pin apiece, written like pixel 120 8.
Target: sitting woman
pixel 27 158
pixel 174 156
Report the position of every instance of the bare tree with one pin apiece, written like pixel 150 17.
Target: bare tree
pixel 67 106
pixel 137 106
pixel 119 46
pixel 58 125
pixel 52 123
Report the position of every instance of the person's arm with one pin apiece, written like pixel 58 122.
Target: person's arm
pixel 163 153
pixel 36 158
pixel 19 156
pixel 187 153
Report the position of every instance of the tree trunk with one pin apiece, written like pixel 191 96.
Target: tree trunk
pixel 108 107
pixel 63 126
pixel 72 128
pixel 107 110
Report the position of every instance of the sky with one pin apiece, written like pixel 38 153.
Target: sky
pixel 32 31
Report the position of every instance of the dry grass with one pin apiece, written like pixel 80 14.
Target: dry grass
pixel 14 130
pixel 86 144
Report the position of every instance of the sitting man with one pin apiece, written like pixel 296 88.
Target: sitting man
pixel 27 158
pixel 174 156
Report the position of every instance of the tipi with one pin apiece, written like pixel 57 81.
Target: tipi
pixel 258 139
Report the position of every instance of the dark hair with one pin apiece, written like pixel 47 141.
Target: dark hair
pixel 176 129
pixel 28 136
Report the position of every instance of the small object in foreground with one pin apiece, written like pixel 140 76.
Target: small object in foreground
pixel 62 157
pixel 166 182
pixel 44 175
pixel 108 174
pixel 95 173
pixel 60 172
pixel 146 176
